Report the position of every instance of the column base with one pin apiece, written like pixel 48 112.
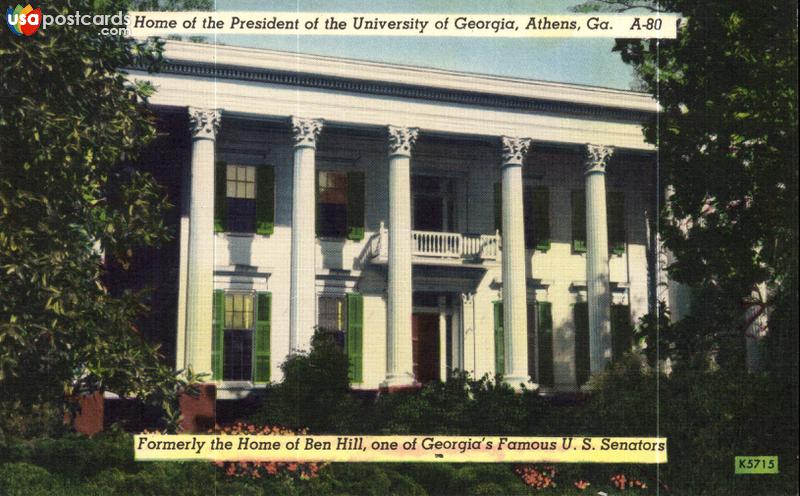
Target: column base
pixel 399 381
pixel 520 382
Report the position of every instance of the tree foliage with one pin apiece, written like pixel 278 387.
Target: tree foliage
pixel 727 141
pixel 71 125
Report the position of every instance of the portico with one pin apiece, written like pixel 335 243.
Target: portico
pixel 370 172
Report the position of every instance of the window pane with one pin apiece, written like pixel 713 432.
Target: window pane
pixel 237 362
pixel 241 181
pixel 239 311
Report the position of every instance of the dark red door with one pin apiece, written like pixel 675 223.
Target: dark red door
pixel 425 347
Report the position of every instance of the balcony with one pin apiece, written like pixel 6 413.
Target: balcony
pixel 440 248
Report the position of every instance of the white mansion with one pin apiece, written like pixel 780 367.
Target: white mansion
pixel 428 221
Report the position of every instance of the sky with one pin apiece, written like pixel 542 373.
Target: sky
pixel 579 61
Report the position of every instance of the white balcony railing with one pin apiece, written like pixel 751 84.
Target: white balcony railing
pixel 433 245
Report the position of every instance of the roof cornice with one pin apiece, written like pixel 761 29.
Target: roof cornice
pixel 284 68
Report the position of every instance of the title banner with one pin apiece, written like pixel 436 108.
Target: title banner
pixel 377 24
pixel 456 449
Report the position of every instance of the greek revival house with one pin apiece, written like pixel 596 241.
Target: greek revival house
pixel 427 221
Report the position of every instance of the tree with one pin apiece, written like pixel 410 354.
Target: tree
pixel 71 125
pixel 727 141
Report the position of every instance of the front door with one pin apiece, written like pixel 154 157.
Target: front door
pixel 425 346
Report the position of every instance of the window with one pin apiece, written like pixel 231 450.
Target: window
pixel 615 221
pixel 332 319
pixel 582 353
pixel 433 203
pixel 499 339
pixel 615 208
pixel 244 199
pixel 540 342
pixel 621 331
pixel 340 205
pixel 340 318
pixel 536 200
pixel 578 222
pixel 332 213
pixel 241 339
pixel 238 345
pixel 240 194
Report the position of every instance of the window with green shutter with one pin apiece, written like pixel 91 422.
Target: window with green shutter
pixel 340 204
pixel 581 321
pixel 615 211
pixel 355 336
pixel 578 221
pixel 265 200
pixel 621 331
pixel 263 331
pixel 218 328
pixel 544 339
pixel 355 205
pixel 499 339
pixel 244 198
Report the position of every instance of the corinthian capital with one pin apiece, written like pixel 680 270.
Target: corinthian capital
pixel 306 131
pixel 597 157
pixel 514 149
pixel 204 123
pixel 401 139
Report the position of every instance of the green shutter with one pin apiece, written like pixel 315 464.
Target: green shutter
pixel 355 205
pixel 498 207
pixel 541 219
pixel 544 334
pixel 355 336
pixel 528 217
pixel 532 345
pixel 261 362
pixel 218 328
pixel 615 211
pixel 578 222
pixel 582 366
pixel 220 195
pixel 265 200
pixel 499 340
pixel 621 331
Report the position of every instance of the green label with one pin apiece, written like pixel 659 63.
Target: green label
pixel 756 465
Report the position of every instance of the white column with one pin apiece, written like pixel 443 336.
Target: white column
pixel 204 125
pixel 597 285
pixel 399 358
pixel 757 327
pixel 678 295
pixel 443 338
pixel 303 297
pixel 515 294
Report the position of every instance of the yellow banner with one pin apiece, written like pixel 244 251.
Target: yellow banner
pixel 452 449
pixel 534 25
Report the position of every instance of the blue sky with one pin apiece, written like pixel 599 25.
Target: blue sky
pixel 580 61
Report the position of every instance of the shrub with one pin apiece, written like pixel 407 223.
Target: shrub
pixel 315 392
pixel 25 479
pixel 78 457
